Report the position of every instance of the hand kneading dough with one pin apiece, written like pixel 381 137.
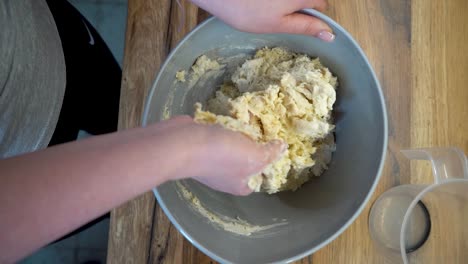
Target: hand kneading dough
pixel 280 95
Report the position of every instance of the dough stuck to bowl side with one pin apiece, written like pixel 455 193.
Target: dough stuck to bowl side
pixel 282 95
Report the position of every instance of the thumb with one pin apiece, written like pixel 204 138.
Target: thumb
pixel 273 151
pixel 297 23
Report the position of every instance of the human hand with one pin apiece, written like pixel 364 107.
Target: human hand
pixel 270 16
pixel 220 158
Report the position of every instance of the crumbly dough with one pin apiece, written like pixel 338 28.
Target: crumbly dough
pixel 280 95
pixel 201 66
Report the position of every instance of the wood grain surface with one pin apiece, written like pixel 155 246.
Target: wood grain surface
pixel 417 49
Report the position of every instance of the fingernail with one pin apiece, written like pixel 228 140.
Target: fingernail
pixel 326 36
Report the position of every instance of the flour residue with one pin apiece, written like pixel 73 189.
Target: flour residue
pixel 233 225
pixel 166 114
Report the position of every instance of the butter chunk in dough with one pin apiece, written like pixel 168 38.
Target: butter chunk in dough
pixel 180 76
pixel 280 95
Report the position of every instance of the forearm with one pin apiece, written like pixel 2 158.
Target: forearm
pixel 46 194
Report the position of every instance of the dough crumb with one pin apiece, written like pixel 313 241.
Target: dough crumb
pixel 282 95
pixel 203 65
pixel 180 76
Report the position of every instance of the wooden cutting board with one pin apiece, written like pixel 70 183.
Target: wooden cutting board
pixel 418 50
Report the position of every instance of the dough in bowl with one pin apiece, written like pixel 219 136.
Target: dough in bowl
pixel 282 95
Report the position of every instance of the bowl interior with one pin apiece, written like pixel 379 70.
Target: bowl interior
pixel 322 208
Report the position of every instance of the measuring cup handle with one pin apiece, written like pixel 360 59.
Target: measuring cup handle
pixel 447 163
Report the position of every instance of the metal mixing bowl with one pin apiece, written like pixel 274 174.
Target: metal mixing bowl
pixel 323 208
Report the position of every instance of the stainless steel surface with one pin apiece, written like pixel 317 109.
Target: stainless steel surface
pixel 32 76
pixel 323 208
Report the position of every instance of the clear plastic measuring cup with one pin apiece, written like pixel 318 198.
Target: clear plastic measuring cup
pixel 425 223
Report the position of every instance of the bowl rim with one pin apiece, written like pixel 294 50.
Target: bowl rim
pixel 358 212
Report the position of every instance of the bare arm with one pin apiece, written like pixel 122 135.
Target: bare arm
pixel 46 194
